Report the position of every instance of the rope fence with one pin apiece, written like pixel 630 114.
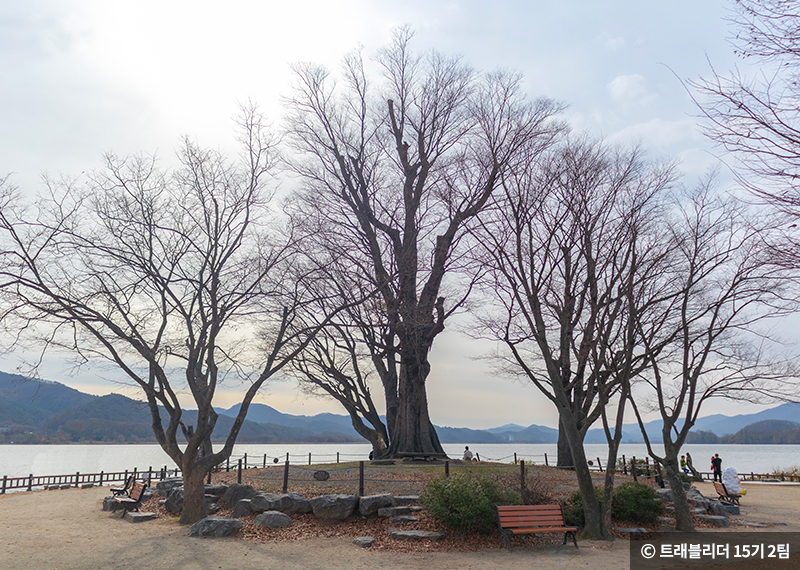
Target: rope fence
pixel 349 470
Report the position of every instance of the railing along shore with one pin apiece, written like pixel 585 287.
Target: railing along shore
pixel 637 468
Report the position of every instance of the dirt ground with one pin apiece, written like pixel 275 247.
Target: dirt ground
pixel 67 529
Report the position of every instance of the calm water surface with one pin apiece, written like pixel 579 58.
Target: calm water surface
pixel 21 460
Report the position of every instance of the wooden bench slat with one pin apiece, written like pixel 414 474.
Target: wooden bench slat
pixel 543 529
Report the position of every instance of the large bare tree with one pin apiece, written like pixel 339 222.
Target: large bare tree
pixel 714 341
pixel 169 276
pixel 393 174
pixel 570 258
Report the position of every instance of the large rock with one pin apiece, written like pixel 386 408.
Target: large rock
pixel 109 504
pixel 272 519
pixel 717 508
pixel 216 490
pixel 215 526
pixel 164 486
pixel 289 503
pixel 174 502
pixel 665 495
pixel 334 507
pixel 242 509
pixel 236 492
pixel 723 522
pixel 364 541
pixel 369 505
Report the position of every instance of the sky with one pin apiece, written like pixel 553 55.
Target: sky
pixel 79 78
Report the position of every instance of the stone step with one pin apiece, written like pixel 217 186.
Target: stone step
pixel 394 511
pixel 417 535
pixel 139 517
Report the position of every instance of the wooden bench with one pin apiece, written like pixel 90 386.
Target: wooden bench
pixel 132 501
pixel 528 519
pixel 124 489
pixel 724 495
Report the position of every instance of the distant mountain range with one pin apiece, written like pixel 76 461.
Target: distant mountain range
pixel 40 411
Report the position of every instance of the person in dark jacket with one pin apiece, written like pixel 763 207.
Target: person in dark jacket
pixel 716 466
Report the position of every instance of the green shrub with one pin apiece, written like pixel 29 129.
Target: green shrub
pixel 573 510
pixel 635 502
pixel 466 502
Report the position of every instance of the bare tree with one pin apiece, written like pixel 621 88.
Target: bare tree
pixel 345 356
pixel 569 252
pixel 718 291
pixel 395 176
pixel 167 275
pixel 756 118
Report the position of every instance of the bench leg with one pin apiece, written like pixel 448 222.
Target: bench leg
pixel 574 540
pixel 507 539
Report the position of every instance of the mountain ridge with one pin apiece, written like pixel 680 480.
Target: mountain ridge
pixel 30 407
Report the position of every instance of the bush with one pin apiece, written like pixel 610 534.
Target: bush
pixel 573 510
pixel 466 502
pixel 635 502
pixel 538 490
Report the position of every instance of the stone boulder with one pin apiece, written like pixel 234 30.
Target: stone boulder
pixel 164 486
pixel 242 509
pixel 235 492
pixel 272 519
pixel 289 503
pixel 216 490
pixel 334 507
pixel 368 506
pixel 364 541
pixel 215 526
pixel 109 503
pixel 174 502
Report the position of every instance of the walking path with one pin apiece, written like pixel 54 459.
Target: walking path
pixel 65 530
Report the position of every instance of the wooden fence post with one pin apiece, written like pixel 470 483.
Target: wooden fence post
pixel 633 468
pixel 546 464
pixel 265 460
pixel 286 474
pixel 239 473
pixel 77 479
pixel 647 463
pixel 309 458
pixel 287 456
pixel 101 479
pixel 30 482
pixel 360 478
pixel 515 459
pixel 245 461
pixel 337 457
pixel 624 465
pixel 447 469
pixel 5 483
pixel 599 465
pixel 522 479
pixel 208 480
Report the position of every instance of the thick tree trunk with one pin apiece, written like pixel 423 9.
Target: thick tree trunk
pixel 414 432
pixel 594 528
pixel 194 493
pixel 564 452
pixel 683 517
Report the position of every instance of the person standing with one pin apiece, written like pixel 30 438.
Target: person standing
pixel 716 465
pixel 467 454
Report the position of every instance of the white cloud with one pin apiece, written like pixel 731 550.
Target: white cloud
pixel 630 89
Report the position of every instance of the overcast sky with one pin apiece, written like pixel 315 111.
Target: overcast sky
pixel 83 77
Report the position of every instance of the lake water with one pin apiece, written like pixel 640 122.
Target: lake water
pixel 22 460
